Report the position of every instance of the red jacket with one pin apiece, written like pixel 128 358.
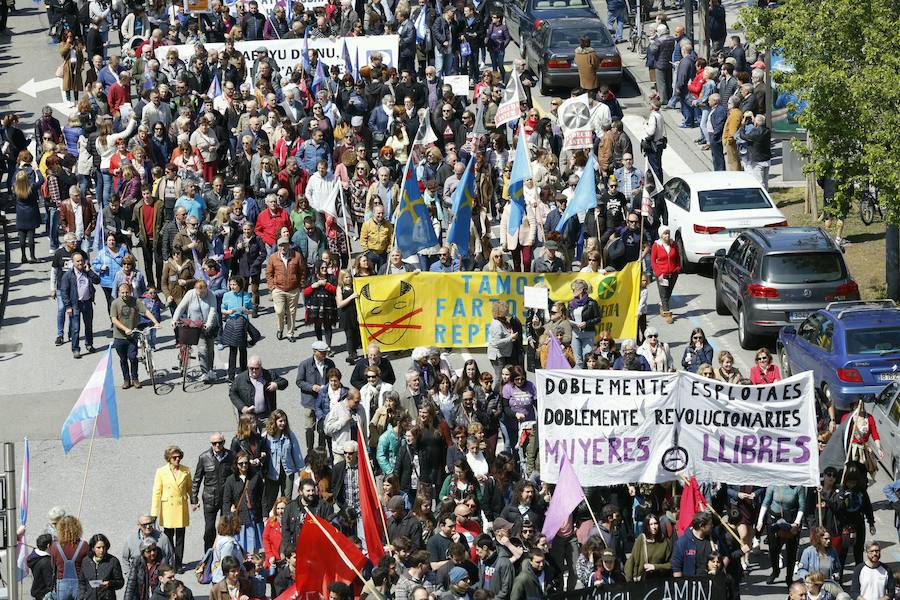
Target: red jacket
pixel 298 188
pixel 664 263
pixel 272 539
pixel 268 225
pixel 117 96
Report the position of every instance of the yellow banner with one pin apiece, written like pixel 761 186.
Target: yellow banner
pixel 454 309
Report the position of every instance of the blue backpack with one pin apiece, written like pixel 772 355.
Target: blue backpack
pixel 204 568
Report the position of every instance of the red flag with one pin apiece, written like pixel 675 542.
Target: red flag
pixel 692 502
pixel 322 558
pixel 289 594
pixel 369 506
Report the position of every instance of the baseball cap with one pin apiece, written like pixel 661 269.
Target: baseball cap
pixel 501 524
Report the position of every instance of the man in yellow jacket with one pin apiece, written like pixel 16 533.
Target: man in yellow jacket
pixel 732 124
pixel 375 237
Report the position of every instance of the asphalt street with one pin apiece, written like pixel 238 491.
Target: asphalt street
pixel 40 381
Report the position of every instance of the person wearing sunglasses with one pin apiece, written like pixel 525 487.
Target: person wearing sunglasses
pixel 764 370
pixel 242 496
pixel 171 496
pixel 146 530
pixel 697 352
pixel 656 352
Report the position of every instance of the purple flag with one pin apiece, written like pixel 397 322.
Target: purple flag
pixel 566 497
pixel 556 359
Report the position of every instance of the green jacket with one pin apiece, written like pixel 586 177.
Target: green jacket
pixel 659 554
pixel 526 585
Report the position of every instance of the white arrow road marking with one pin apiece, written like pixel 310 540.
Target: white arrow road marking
pixel 32 87
pixel 64 108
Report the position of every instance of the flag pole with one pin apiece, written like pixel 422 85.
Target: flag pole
pixel 590 510
pixel 87 465
pixel 713 511
pixel 343 556
pixel 387 538
pixel 344 209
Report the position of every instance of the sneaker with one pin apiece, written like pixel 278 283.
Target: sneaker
pixel 76 354
pixel 59 340
pixel 90 349
pixel 208 377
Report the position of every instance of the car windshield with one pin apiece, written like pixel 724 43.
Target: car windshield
pixel 817 267
pixel 732 199
pixel 571 38
pixel 560 4
pixel 881 340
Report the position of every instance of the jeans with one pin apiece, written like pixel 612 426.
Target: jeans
pixel 104 187
pixel 60 316
pixel 376 258
pixel 497 63
pixel 443 63
pixel 665 291
pixel 84 181
pixel 66 589
pixel 655 160
pixel 233 360
pixel 82 310
pixel 53 227
pixel 582 343
pixel 472 61
pixel 128 360
pixel 718 154
pixel 704 119
pixel 617 17
pixel 153 263
pixel 687 111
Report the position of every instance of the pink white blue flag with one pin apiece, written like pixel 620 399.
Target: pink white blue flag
pixel 21 548
pixel 97 402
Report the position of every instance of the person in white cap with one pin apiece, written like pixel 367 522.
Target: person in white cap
pixel 311 377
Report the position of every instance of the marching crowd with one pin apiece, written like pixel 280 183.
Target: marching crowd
pixel 213 168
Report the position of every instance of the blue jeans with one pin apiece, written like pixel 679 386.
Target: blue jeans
pixel 128 360
pixel 704 117
pixel 53 227
pixel 66 589
pixel 84 181
pixel 687 111
pixel 82 310
pixel 616 16
pixel 582 343
pixel 60 316
pixel 104 187
pixel 443 63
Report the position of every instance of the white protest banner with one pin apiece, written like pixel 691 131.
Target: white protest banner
pixel 574 139
pixel 537 297
pixel 267 7
pixel 289 53
pixel 574 113
pixel 509 108
pixel 459 84
pixel 630 426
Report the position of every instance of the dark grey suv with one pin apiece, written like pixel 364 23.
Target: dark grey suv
pixel 771 277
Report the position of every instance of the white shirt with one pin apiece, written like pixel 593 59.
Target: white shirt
pixel 872 582
pixel 79 220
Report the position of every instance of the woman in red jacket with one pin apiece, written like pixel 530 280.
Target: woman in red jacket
pixel 695 87
pixel 666 264
pixel 272 532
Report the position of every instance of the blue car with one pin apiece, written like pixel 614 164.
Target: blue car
pixel 852 348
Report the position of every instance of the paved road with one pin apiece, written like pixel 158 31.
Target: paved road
pixel 41 381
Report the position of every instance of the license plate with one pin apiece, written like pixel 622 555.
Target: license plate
pixel 889 376
pixel 798 315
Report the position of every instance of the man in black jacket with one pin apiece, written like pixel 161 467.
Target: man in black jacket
pixel 372 358
pixel 77 291
pixel 213 468
pixel 253 391
pixel 41 565
pixel 403 523
pixel 295 513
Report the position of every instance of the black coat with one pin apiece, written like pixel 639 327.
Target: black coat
pixel 254 446
pixel 242 392
pixel 292 520
pixel 759 141
pixel 109 569
pixel 250 257
pixel 42 573
pixel 358 377
pixel 235 495
pixel 28 210
pixel 213 473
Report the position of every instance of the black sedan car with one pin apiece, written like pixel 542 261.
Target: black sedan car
pixel 522 16
pixel 550 52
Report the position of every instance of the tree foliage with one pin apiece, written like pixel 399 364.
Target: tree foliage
pixel 846 59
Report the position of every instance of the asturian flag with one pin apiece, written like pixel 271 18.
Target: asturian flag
pixel 95 409
pixel 414 230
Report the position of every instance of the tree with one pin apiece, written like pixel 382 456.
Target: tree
pixel 846 60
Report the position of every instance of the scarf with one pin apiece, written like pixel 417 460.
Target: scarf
pixel 578 302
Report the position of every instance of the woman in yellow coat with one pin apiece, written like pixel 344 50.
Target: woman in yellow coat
pixel 171 500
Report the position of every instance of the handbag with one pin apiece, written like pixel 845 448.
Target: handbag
pixel 254 334
pixel 465 49
pixel 871 462
pixel 59 71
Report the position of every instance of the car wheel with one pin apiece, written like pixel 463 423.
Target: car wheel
pixel 721 308
pixel 746 339
pixel 783 361
pixel 686 267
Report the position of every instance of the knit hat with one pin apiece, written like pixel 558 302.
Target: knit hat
pixel 457 574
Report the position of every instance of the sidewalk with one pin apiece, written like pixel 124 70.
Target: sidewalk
pixel 682 149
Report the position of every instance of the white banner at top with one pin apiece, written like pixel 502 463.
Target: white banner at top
pixel 289 53
pixel 619 427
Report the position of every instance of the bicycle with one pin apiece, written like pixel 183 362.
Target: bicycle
pixel 869 205
pixel 639 41
pixel 145 353
pixel 187 335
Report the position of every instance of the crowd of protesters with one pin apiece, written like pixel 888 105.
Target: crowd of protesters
pixel 215 186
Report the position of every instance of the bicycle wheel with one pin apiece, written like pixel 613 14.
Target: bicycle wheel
pixel 185 362
pixel 148 363
pixel 867 211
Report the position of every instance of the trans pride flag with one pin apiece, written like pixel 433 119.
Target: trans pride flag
pixel 97 402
